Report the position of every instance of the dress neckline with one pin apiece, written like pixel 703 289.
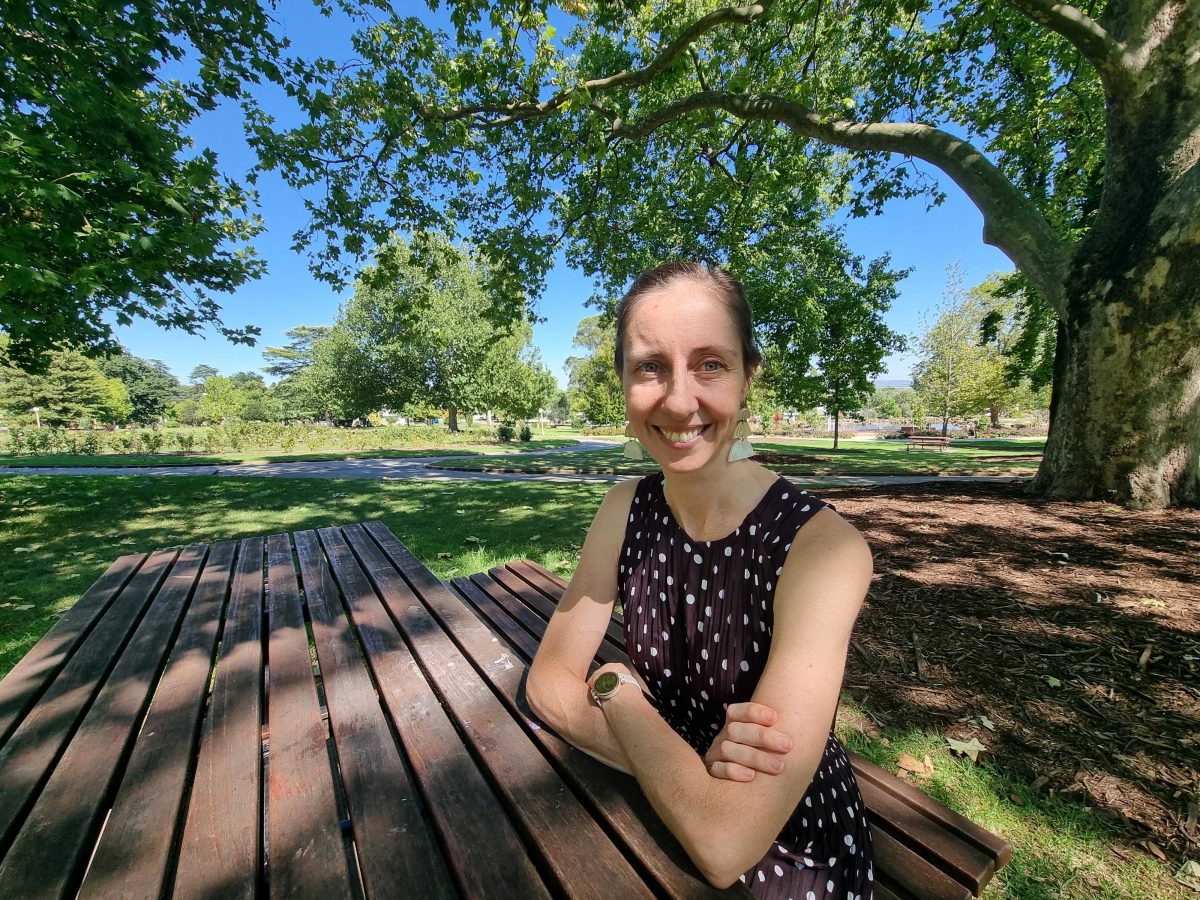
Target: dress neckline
pixel 662 492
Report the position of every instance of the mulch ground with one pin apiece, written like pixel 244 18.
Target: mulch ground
pixel 1073 627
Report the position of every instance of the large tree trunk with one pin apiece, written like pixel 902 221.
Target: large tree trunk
pixel 1125 422
pixel 836 416
pixel 1126 427
pixel 453 418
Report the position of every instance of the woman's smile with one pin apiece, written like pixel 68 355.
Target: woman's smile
pixel 681 439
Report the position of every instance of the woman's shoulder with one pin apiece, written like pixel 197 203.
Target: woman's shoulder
pixel 621 497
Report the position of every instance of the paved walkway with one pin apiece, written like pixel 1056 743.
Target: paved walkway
pixel 417 467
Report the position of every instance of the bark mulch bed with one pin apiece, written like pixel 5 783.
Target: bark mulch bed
pixel 1073 627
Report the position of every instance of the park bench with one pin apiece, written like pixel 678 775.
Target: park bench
pixel 317 715
pixel 923 440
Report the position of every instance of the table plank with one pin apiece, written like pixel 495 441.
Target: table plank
pixel 307 856
pixel 397 852
pixel 29 754
pixel 567 839
pixel 50 851
pixel 221 851
pixel 133 857
pixel 35 671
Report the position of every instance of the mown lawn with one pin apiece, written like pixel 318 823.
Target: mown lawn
pixel 58 534
pixel 803 457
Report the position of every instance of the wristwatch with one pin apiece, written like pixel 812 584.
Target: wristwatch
pixel 605 687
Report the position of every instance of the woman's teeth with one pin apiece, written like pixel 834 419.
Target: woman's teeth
pixel 681 437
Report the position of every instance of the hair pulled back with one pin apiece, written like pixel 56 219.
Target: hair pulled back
pixel 723 286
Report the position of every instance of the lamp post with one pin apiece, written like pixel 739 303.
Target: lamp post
pixel 37 414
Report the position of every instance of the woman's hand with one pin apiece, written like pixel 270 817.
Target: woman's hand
pixel 747 744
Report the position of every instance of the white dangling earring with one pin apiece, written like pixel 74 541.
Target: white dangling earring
pixel 741 447
pixel 633 450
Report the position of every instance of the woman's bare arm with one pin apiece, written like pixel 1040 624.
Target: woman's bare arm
pixel 726 826
pixel 557 688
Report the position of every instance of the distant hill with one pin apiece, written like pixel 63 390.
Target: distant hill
pixel 894 383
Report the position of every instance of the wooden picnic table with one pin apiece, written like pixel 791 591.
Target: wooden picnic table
pixel 317 715
pixel 309 715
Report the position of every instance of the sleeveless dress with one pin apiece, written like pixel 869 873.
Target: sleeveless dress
pixel 698 617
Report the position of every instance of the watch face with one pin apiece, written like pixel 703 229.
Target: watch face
pixel 607 683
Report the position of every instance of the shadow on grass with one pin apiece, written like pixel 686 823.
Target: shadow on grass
pixel 1038 615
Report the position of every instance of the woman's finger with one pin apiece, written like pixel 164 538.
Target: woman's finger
pixel 730 771
pixel 759 736
pixel 752 712
pixel 743 755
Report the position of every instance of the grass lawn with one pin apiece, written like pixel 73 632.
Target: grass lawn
pixel 1061 848
pixel 259 457
pixel 59 534
pixel 814 456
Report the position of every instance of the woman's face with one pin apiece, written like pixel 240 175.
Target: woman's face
pixel 684 376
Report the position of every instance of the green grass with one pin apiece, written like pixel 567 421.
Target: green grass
pixel 57 534
pixel 1061 848
pixel 260 456
pixel 814 456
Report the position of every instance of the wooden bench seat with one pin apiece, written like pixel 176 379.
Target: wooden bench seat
pixel 922 848
pixel 921 440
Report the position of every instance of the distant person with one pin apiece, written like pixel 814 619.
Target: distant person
pixel 739 593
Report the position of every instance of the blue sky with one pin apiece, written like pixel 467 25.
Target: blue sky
pixel 926 241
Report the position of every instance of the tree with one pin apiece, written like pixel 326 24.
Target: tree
pixel 1071 130
pixel 297 355
pixel 109 211
pixel 221 398
pixel 71 391
pixel 955 371
pixel 201 374
pixel 151 386
pixel 560 410
pixel 848 343
pixel 423 336
pixel 592 382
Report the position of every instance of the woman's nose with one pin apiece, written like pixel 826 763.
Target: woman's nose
pixel 680 399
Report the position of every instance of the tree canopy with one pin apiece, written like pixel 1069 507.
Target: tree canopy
pixel 592 383
pixel 71 391
pixel 422 336
pixel 109 209
pixel 1071 128
pixel 151 386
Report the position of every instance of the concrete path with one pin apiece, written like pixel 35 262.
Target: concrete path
pixel 417 467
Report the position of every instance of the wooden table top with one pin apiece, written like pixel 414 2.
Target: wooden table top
pixel 306 715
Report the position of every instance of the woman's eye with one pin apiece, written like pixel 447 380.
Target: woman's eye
pixel 713 365
pixel 648 367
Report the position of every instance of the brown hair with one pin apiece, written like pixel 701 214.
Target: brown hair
pixel 727 288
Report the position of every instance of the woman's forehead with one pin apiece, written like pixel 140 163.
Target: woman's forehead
pixel 683 311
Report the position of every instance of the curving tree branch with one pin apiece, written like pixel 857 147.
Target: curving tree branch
pixel 1086 35
pixel 515 112
pixel 1011 222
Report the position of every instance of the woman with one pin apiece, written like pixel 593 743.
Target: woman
pixel 739 593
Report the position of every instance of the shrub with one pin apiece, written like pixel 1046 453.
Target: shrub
pixel 92 443
pixel 125 442
pixel 152 441
pixel 526 434
pixel 603 429
pixel 185 440
pixel 506 432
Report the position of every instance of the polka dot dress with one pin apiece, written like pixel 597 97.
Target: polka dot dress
pixel 698 618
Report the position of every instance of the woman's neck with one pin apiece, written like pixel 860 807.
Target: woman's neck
pixel 709 506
